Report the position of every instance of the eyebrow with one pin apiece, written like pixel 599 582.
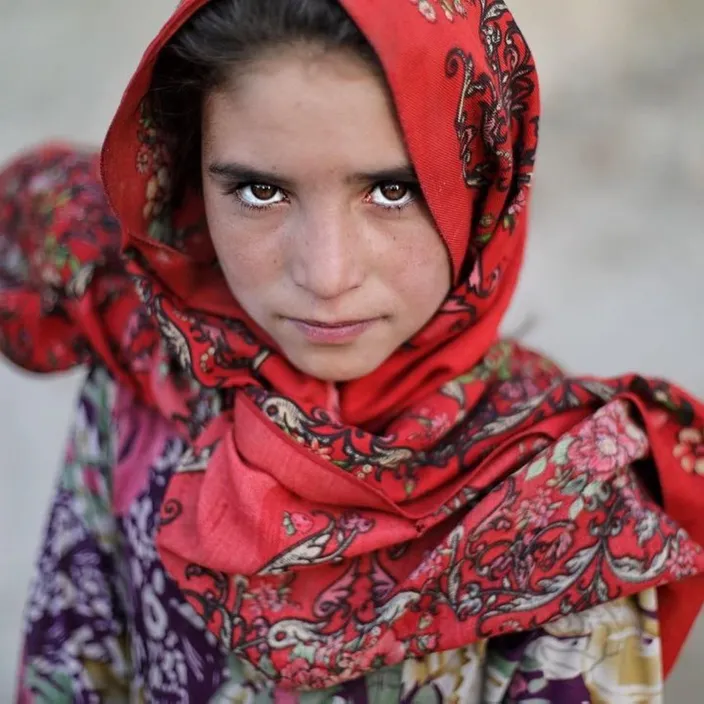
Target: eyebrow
pixel 241 173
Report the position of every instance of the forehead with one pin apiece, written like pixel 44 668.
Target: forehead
pixel 305 105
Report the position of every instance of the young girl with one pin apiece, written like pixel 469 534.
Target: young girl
pixel 303 467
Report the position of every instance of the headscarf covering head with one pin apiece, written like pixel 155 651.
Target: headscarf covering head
pixel 466 94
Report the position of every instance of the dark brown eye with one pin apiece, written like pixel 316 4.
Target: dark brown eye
pixel 392 194
pixel 260 195
pixel 393 191
pixel 262 191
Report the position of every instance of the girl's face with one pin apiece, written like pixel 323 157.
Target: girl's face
pixel 316 214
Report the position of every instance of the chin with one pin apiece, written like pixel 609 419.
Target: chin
pixel 335 367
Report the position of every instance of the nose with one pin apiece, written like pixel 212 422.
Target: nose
pixel 327 253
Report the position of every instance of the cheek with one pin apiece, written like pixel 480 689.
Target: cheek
pixel 250 259
pixel 421 271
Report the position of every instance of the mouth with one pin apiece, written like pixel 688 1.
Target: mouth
pixel 332 332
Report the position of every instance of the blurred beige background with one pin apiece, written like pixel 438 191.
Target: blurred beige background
pixel 614 276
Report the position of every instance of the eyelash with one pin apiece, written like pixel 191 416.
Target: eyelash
pixel 234 191
pixel 412 186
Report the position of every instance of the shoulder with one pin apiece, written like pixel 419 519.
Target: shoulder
pixel 65 297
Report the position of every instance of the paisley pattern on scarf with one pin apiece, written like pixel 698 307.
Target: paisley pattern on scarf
pixel 105 623
pixel 466 490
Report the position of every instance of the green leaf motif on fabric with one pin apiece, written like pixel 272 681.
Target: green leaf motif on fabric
pixel 576 508
pixel 576 485
pixel 306 652
pixel 56 689
pixel 592 489
pixel 535 469
pixel 559 454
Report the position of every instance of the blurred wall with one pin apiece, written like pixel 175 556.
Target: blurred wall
pixel 613 279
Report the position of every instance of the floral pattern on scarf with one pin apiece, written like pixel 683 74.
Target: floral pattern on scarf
pixel 105 623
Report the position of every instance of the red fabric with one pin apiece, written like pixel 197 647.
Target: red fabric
pixel 463 490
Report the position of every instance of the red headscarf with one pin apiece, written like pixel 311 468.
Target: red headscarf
pixel 463 490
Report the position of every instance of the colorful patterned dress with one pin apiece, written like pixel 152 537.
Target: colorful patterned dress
pixel 105 623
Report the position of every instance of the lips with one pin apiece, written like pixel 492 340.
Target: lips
pixel 342 324
pixel 332 333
